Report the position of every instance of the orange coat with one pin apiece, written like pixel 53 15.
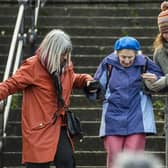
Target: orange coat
pixel 40 135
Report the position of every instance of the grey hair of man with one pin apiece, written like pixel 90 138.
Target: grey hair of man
pixel 130 159
pixel 54 44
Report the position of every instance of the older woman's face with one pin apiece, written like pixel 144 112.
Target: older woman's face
pixel 64 59
pixel 126 57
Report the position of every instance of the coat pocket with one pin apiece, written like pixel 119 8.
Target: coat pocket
pixel 40 125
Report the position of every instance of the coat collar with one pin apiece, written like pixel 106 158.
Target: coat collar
pixel 113 59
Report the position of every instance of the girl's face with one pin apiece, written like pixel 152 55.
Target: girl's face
pixel 126 57
pixel 165 36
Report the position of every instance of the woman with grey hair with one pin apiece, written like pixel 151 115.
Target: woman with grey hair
pixel 46 79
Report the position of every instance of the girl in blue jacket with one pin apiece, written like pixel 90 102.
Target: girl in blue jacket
pixel 127 114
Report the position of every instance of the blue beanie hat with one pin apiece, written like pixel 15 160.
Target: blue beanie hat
pixel 127 42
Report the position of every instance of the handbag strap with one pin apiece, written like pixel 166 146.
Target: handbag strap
pixel 58 88
pixel 60 100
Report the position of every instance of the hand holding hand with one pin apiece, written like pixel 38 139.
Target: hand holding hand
pixel 92 86
pixel 148 84
pixel 149 77
pixel 159 84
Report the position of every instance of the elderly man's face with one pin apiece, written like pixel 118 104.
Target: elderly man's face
pixel 126 57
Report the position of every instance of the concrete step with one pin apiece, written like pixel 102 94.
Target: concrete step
pixel 79 100
pixel 84 20
pixel 84 10
pixel 89 40
pixel 84 60
pixel 97 31
pixel 85 158
pixel 87 113
pixel 14 159
pixel 82 49
pixel 90 128
pixel 90 143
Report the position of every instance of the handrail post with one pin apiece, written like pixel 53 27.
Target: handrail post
pixel 14 38
pixel 32 32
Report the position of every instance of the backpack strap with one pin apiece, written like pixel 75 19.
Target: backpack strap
pixel 144 67
pixel 108 73
pixel 143 70
pixel 110 67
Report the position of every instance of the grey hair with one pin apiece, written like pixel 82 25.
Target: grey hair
pixel 54 44
pixel 136 160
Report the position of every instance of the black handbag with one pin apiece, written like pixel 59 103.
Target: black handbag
pixel 74 125
pixel 73 122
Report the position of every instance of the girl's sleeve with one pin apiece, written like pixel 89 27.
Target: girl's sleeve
pixel 17 82
pixel 155 57
pixel 153 68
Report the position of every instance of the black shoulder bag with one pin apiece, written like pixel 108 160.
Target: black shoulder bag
pixel 73 122
pixel 74 125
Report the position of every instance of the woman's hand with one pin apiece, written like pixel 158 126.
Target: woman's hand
pixel 92 86
pixel 159 84
pixel 155 85
pixel 149 77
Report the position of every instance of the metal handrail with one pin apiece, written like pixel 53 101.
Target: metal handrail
pixel 13 42
pixel 18 39
pixel 11 58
